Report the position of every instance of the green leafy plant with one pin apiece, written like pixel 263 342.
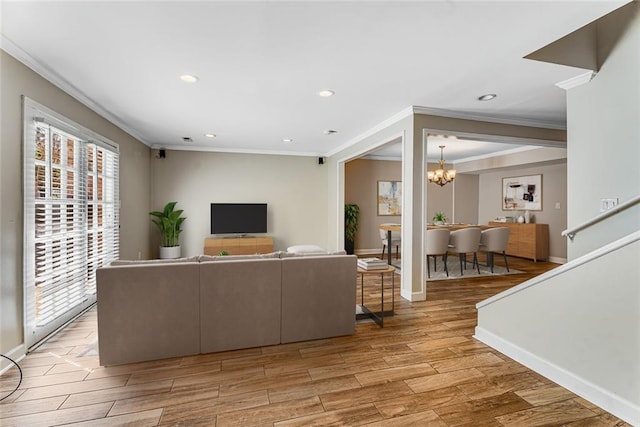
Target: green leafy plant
pixel 351 213
pixel 168 222
pixel 223 253
pixel 439 217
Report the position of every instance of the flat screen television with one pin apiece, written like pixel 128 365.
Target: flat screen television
pixel 238 218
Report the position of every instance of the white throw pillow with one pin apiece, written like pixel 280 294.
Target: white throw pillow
pixel 306 249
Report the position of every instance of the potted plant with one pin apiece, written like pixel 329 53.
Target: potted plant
pixel 168 222
pixel 351 213
pixel 439 218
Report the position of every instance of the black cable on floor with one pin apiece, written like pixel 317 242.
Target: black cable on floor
pixel 19 382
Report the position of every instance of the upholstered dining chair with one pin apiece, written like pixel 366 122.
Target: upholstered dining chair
pixel 464 241
pixel 395 240
pixel 437 245
pixel 495 240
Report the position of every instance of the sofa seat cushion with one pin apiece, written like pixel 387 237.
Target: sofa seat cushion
pixel 119 262
pixel 208 258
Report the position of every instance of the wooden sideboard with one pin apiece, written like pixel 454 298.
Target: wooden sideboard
pixel 238 245
pixel 527 240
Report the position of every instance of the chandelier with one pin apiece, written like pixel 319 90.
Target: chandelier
pixel 440 176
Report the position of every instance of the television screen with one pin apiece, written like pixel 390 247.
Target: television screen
pixel 241 218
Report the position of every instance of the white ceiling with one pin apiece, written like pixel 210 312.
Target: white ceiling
pixel 261 64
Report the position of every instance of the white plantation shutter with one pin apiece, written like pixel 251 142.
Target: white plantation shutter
pixel 70 218
pixel 102 213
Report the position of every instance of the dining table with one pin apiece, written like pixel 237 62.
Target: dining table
pixel 449 226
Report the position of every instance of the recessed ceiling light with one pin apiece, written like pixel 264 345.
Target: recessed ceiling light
pixel 326 93
pixel 188 78
pixel 210 135
pixel 487 97
pixel 287 140
pixel 330 131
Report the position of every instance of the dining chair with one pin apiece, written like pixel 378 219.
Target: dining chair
pixel 495 240
pixel 464 241
pixel 395 240
pixel 437 245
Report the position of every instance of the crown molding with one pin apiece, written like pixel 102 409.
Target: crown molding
pixel 546 124
pixel 576 81
pixel 48 74
pixel 496 154
pixel 380 126
pixel 383 158
pixel 201 148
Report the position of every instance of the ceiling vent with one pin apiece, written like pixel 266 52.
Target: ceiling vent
pixel 187 139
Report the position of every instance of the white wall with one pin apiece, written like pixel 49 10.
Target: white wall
pixel 604 136
pixel 581 329
pixel 295 189
pixel 554 190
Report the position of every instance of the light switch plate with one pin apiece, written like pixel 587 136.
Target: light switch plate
pixel 606 204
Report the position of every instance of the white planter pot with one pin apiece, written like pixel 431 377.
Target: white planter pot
pixel 169 252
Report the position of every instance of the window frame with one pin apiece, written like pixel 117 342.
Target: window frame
pixel 34 115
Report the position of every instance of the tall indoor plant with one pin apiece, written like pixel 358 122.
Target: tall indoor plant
pixel 351 213
pixel 168 222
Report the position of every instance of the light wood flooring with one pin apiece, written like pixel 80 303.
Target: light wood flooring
pixel 423 368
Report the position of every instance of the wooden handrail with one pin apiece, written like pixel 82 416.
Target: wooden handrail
pixel 571 232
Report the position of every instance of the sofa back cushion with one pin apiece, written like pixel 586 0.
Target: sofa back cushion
pixel 240 303
pixel 318 297
pixel 148 312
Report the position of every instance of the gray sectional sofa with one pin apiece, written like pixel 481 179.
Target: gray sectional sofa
pixel 151 310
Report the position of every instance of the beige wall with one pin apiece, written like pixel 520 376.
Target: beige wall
pixel 554 190
pixel 17 80
pixel 294 187
pixel 361 188
pixel 466 199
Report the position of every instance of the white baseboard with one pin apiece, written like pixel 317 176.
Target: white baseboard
pixel 606 400
pixel 16 354
pixel 557 260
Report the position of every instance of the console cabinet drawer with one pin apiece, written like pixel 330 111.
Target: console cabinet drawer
pixel 238 245
pixel 527 240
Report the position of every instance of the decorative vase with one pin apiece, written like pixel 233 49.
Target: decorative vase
pixel 527 217
pixel 349 246
pixel 169 252
pixel 520 219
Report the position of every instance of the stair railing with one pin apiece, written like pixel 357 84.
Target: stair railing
pixel 571 232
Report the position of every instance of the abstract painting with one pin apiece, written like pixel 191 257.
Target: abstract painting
pixel 522 193
pixel 389 198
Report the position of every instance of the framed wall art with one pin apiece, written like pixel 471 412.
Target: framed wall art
pixel 389 198
pixel 523 193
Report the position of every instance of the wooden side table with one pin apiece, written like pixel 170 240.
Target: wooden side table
pixel 377 316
